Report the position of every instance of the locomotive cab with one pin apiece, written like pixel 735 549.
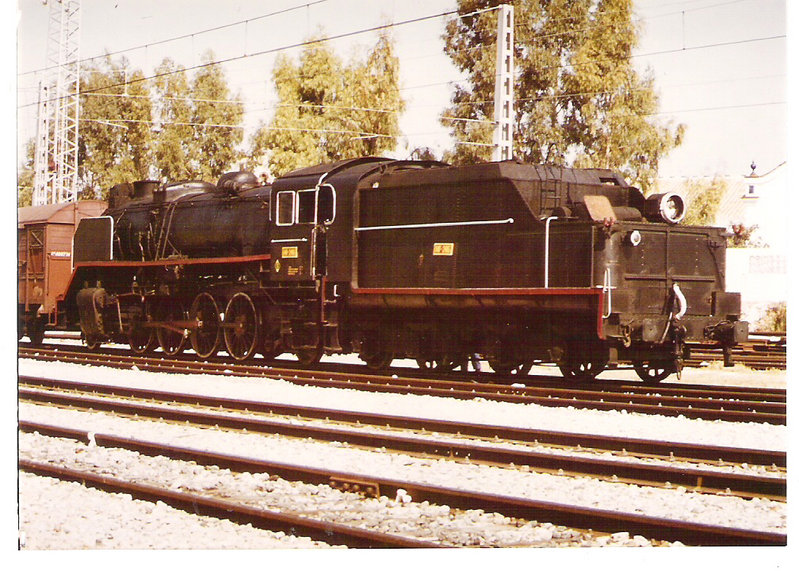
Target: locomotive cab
pixel 298 247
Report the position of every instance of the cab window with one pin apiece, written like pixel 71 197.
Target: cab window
pixel 326 204
pixel 310 206
pixel 306 207
pixel 285 208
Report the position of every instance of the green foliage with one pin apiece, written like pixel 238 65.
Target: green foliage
pixel 217 116
pixel 328 110
pixel 25 176
pixel 704 201
pixel 115 132
pixel 744 237
pixel 775 320
pixel 172 148
pixel 578 98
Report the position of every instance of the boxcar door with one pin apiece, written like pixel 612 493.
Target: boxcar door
pixel 298 247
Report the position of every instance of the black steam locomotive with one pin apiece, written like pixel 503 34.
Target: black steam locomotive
pixel 407 259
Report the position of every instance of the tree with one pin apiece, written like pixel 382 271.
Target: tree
pixel 172 149
pixel 25 176
pixel 704 200
pixel 328 110
pixel 115 136
pixel 217 116
pixel 743 236
pixel 579 100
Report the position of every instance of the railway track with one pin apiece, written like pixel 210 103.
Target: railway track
pixel 227 413
pixel 561 514
pixel 736 404
pixel 200 504
pixel 763 350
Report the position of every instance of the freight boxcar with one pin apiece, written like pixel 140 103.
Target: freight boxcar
pixel 44 260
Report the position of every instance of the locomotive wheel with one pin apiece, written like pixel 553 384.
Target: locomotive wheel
pixel 510 368
pixel 308 357
pixel 142 339
pixel 241 327
pixel 271 347
pixel 581 370
pixel 206 337
pixel 172 342
pixel 654 371
pixel 93 343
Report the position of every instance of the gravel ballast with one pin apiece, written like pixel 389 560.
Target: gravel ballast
pixel 676 503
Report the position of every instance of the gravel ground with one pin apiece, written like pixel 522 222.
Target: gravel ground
pixel 678 503
pixel 396 516
pixel 87 518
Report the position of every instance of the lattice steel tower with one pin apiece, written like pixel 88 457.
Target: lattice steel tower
pixel 503 86
pixel 56 159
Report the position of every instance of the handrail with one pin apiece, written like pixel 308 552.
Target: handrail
pixel 546 250
pixel 435 225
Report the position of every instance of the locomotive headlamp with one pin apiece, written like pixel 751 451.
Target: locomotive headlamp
pixel 634 237
pixel 666 207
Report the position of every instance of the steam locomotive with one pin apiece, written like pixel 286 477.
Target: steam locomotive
pixel 389 259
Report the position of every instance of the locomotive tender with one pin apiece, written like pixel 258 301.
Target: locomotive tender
pixel 407 259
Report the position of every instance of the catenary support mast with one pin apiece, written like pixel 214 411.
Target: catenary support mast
pixel 56 159
pixel 503 90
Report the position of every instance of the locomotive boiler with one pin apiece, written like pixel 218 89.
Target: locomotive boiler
pixel 515 263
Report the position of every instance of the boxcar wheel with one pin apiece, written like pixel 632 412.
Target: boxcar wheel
pixel 36 329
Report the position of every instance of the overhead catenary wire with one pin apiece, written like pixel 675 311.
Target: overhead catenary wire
pixel 186 36
pixel 305 43
pixel 451 82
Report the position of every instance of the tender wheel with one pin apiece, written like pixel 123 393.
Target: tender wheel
pixel 444 363
pixel 581 370
pixel 140 338
pixel 510 368
pixel 241 327
pixel 171 340
pixel 654 371
pixel 206 337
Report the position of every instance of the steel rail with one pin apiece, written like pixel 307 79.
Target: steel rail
pixel 689 533
pixel 649 448
pixel 199 504
pixel 498 383
pixel 742 411
pixel 702 480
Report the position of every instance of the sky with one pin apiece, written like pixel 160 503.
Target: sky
pixel 720 66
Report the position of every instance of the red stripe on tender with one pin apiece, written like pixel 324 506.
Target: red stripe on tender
pixel 478 291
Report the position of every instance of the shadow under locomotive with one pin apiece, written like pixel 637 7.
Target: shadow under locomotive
pixel 407 259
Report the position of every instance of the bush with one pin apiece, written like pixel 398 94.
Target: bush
pixel 775 320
